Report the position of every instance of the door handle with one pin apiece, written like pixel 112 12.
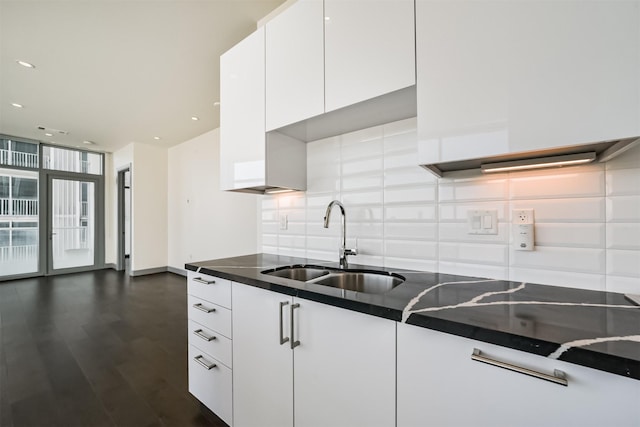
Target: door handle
pixel 295 343
pixel 283 339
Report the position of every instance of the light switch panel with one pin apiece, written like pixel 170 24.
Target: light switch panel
pixel 482 221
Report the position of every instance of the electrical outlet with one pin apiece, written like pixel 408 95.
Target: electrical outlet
pixel 523 216
pixel 284 221
pixel 523 229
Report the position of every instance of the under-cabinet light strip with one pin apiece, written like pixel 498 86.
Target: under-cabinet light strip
pixel 539 163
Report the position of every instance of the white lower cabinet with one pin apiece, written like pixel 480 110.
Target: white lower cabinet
pixel 440 385
pixel 341 371
pixel 209 335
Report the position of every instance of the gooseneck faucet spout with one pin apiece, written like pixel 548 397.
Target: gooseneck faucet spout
pixel 343 251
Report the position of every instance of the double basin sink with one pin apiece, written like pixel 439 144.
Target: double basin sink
pixel 371 282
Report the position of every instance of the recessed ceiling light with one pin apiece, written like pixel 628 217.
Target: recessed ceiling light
pixel 216 104
pixel 157 138
pixel 88 142
pixel 17 105
pixel 48 134
pixel 194 118
pixel 26 64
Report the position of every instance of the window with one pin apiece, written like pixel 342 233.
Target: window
pixel 18 153
pixel 61 159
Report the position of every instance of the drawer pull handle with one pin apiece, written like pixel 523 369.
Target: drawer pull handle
pixel 203 308
pixel 204 282
pixel 295 343
pixel 558 377
pixel 204 336
pixel 283 339
pixel 202 361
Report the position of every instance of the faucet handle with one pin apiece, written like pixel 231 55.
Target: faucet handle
pixel 353 251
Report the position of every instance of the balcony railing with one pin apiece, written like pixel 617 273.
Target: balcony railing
pixel 84 209
pixel 18 253
pixel 18 207
pixel 18 158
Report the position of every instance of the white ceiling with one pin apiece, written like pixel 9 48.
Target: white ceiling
pixel 117 71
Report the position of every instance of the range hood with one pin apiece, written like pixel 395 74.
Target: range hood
pixel 554 157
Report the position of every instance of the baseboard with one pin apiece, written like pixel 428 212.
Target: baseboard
pixel 111 265
pixel 179 271
pixel 148 271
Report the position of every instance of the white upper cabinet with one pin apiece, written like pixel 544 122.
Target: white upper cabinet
pixel 251 160
pixel 242 136
pixel 504 77
pixel 295 64
pixel 369 49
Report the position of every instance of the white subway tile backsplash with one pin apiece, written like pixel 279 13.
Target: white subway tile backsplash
pixel 410 249
pixel 411 230
pixel 587 217
pixel 561 259
pixel 374 197
pixel 473 253
pixel 410 213
pixel 623 236
pixel 557 183
pixel 564 210
pixel 623 263
pixel 623 182
pixel 570 235
pixel 623 209
pixel 422 193
pixel 408 176
pixel 478 189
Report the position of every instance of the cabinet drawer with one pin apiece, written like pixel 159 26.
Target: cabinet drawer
pixel 211 342
pixel 209 315
pixel 209 288
pixel 210 383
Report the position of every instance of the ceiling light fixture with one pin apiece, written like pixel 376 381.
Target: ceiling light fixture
pixel 216 104
pixel 25 64
pixel 194 118
pixel 540 163
pixel 17 105
pixel 157 138
pixel 48 134
pixel 88 142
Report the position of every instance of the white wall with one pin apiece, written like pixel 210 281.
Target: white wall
pixel 149 203
pixel 587 217
pixel 204 222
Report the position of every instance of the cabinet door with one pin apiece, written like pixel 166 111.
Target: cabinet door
pixel 369 49
pixel 262 368
pixel 438 382
pixel 498 77
pixel 344 368
pixel 242 122
pixel 295 64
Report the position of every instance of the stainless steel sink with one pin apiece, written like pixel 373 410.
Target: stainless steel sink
pixel 370 283
pixel 300 273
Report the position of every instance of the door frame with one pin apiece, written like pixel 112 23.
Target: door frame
pixel 121 244
pixel 99 223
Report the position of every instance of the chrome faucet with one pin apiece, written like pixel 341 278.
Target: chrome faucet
pixel 343 251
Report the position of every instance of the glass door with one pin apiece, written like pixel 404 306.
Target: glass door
pixel 72 224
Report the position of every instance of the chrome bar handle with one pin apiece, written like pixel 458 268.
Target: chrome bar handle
pixel 204 336
pixel 203 308
pixel 204 282
pixel 294 344
pixel 283 339
pixel 558 377
pixel 202 361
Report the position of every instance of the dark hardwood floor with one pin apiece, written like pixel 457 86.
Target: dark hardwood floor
pixel 96 349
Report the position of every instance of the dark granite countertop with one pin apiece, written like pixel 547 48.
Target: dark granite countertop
pixel 600 330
